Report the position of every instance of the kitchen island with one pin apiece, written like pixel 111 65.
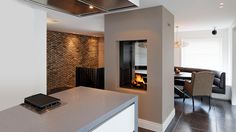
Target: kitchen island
pixel 83 109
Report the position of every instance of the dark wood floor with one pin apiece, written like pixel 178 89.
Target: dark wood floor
pixel 220 118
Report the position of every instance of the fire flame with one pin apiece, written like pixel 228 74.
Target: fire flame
pixel 138 80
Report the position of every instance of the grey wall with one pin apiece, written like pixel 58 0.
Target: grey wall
pixel 167 63
pixel 150 24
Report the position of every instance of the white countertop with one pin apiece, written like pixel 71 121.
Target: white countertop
pixel 83 109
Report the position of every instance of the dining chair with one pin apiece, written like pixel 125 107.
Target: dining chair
pixel 200 85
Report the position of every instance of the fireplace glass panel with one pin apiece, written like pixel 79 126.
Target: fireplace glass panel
pixel 133 64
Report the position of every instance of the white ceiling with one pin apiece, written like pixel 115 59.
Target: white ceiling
pixel 202 14
pixel 189 15
pixel 89 25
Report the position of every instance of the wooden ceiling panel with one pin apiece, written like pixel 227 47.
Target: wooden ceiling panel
pixel 110 4
pixel 81 7
pixel 73 6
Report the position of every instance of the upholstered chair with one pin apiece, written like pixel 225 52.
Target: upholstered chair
pixel 200 85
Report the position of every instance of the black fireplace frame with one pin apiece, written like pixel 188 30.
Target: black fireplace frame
pixel 127 65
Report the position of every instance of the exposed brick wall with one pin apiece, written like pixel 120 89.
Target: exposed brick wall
pixel 101 52
pixel 67 51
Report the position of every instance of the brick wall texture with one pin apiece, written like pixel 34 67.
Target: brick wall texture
pixel 67 51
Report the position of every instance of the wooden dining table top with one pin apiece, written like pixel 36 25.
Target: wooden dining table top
pixel 183 75
pixel 141 72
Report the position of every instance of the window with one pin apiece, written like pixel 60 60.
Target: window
pixel 141 54
pixel 203 53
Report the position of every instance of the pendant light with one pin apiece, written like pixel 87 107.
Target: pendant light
pixel 178 43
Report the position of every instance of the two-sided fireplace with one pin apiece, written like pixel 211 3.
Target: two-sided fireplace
pixel 133 64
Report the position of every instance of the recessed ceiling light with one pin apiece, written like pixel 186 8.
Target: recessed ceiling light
pixel 51 21
pixel 91 7
pixel 221 7
pixel 221 4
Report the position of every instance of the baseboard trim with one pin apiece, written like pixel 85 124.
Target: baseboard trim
pixel 219 96
pixel 153 126
pixel 168 119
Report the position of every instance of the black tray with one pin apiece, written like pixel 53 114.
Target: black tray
pixel 41 102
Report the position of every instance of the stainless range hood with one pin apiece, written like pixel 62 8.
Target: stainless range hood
pixel 85 7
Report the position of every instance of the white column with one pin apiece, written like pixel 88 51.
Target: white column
pixel 22 52
pixel 234 67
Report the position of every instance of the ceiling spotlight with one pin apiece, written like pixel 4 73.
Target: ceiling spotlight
pixel 51 21
pixel 221 7
pixel 91 7
pixel 221 3
pixel 214 31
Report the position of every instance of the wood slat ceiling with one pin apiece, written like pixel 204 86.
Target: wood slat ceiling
pixel 110 4
pixel 73 6
pixel 81 7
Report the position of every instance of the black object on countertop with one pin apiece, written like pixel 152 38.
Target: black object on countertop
pixel 42 102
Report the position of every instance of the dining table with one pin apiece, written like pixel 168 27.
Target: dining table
pixel 141 72
pixel 183 75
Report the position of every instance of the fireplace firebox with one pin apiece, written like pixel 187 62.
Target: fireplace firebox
pixel 133 64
